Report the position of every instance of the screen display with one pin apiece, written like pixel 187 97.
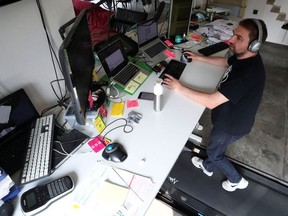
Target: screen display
pixel 30 200
pixel 147 31
pixel 114 60
pixel 12 108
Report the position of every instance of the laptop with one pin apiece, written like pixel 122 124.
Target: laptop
pixel 150 43
pixel 16 114
pixel 119 70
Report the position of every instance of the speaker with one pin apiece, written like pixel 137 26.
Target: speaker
pixel 255 45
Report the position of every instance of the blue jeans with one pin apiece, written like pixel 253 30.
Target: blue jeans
pixel 216 149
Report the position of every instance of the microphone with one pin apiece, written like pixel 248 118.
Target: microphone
pixel 147 4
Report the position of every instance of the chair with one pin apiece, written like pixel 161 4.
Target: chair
pixel 124 20
pixel 124 3
pixel 99 20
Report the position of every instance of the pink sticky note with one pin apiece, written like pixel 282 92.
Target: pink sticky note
pixel 132 103
pixel 169 53
pixel 97 144
pixel 90 99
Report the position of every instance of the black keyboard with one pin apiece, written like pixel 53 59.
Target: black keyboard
pixel 155 49
pixel 210 50
pixel 126 74
pixel 174 68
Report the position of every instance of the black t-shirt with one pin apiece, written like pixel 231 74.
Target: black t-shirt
pixel 244 89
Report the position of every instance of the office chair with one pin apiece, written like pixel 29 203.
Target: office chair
pixel 125 20
pixel 124 3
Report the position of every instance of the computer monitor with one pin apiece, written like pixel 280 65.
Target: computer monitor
pixel 179 19
pixel 77 63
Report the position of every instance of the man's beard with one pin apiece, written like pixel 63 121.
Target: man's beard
pixel 238 54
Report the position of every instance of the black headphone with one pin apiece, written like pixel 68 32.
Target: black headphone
pixel 256 44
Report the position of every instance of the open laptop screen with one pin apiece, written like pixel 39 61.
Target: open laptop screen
pixel 16 114
pixel 113 58
pixel 147 32
pixel 16 110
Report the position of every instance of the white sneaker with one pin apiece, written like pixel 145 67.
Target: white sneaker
pixel 228 186
pixel 198 162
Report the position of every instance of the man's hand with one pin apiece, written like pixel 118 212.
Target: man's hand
pixel 172 83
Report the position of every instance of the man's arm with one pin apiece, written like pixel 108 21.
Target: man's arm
pixel 208 100
pixel 218 61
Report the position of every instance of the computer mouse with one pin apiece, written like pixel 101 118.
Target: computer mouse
pixel 6 209
pixel 184 58
pixel 114 152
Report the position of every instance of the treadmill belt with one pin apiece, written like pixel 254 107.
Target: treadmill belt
pixel 209 198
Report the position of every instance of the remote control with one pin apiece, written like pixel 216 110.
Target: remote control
pixel 40 197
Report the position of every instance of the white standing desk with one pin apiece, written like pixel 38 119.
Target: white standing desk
pixel 157 140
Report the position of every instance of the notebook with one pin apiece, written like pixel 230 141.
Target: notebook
pixel 118 68
pixel 150 43
pixel 16 114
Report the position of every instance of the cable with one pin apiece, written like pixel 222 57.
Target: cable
pixel 51 84
pixel 52 54
pixel 108 91
pixel 65 153
pixel 124 129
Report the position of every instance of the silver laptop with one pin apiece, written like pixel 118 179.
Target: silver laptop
pixel 125 74
pixel 149 42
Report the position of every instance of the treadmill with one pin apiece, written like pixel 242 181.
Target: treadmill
pixel 190 192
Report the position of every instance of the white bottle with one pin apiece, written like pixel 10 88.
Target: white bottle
pixel 158 91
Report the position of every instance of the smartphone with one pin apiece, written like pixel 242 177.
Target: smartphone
pixel 146 96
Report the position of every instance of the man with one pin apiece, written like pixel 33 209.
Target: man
pixel 235 103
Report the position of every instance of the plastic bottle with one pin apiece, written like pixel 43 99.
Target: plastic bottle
pixel 158 92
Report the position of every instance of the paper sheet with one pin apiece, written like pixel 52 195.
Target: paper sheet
pixel 110 193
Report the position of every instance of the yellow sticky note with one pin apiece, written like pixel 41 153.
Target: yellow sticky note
pixel 117 109
pixel 99 124
pixel 95 76
pixel 131 87
pixel 140 78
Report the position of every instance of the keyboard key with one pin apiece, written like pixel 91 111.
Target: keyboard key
pixel 155 49
pixel 210 50
pixel 39 152
pixel 174 68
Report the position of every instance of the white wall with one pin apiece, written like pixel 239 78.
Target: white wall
pixel 275 33
pixel 25 60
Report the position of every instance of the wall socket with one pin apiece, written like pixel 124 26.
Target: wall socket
pixel 255 12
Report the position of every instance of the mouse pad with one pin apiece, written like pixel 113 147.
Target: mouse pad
pixel 71 141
